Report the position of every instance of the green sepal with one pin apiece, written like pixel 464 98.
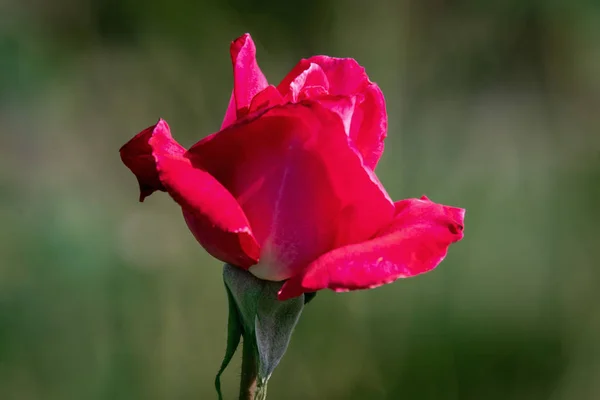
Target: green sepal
pixel 234 334
pixel 273 327
pixel 260 318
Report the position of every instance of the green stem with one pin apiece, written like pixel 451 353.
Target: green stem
pixel 249 371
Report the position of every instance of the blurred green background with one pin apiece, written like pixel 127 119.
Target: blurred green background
pixel 493 106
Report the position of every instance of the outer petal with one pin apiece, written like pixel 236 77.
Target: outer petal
pixel 369 125
pixel 299 182
pixel 415 242
pixel 137 156
pixel 212 213
pixel 347 78
pixel 248 79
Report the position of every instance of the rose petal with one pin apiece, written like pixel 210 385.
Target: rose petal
pixel 415 242
pixel 267 98
pixel 299 182
pixel 284 86
pixel 310 79
pixel 212 213
pixel 344 107
pixel 347 78
pixel 369 125
pixel 137 156
pixel 248 79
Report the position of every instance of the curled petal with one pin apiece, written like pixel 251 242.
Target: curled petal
pixel 267 98
pixel 369 125
pixel 137 156
pixel 212 213
pixel 369 121
pixel 415 242
pixel 346 78
pixel 310 80
pixel 248 79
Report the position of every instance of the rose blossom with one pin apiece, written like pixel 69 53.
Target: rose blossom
pixel 287 190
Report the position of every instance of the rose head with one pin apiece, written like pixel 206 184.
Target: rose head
pixel 286 188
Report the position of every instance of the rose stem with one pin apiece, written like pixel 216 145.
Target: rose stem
pixel 249 372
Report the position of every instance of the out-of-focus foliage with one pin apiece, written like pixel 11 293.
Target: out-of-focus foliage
pixel 494 106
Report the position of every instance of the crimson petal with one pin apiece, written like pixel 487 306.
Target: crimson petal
pixel 369 125
pixel 302 186
pixel 347 78
pixel 268 97
pixel 248 79
pixel 309 79
pixel 415 242
pixel 211 212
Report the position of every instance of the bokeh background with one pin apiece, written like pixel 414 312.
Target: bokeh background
pixel 493 106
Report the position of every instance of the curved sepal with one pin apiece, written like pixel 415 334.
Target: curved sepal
pixel 234 334
pixel 265 322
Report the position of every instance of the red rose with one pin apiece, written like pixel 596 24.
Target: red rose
pixel 286 188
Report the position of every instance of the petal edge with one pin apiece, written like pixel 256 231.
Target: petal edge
pixel 211 212
pixel 248 79
pixel 414 243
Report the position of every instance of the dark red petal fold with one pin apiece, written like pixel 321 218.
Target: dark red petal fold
pixel 212 213
pixel 248 79
pixel 267 98
pixel 137 156
pixel 302 186
pixel 415 242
